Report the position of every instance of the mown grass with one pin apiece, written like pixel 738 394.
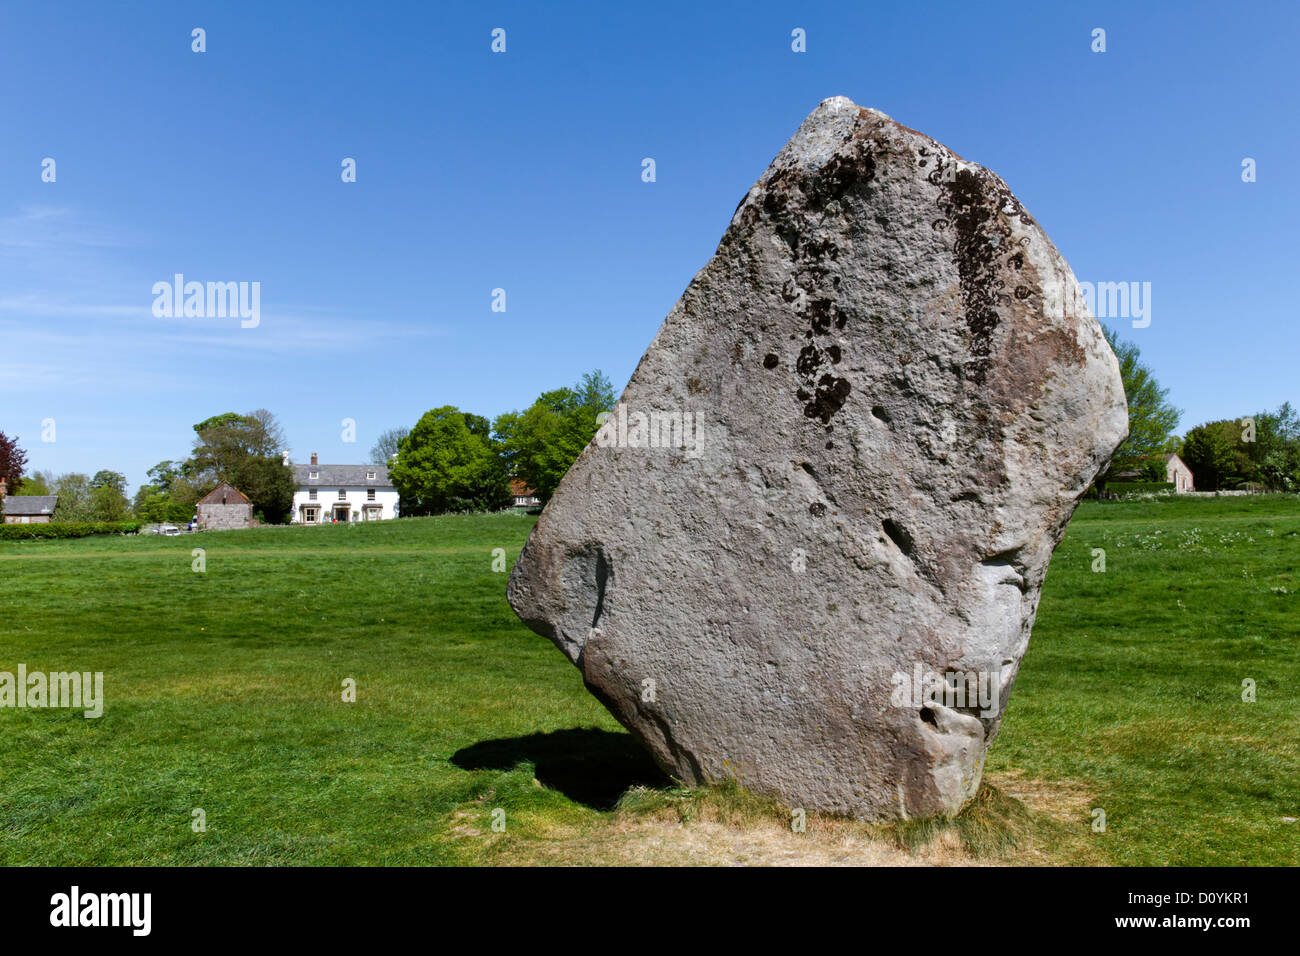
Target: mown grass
pixel 1134 679
pixel 224 693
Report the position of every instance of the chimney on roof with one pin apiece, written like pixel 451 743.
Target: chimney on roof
pixel 313 459
pixel 4 487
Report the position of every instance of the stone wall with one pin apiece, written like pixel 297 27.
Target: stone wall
pixel 225 517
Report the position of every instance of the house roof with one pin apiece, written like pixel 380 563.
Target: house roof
pixel 345 475
pixel 520 489
pixel 30 504
pixel 224 494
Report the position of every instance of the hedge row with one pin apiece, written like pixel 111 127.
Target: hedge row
pixel 66 529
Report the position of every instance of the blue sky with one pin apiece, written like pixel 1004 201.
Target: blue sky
pixel 522 171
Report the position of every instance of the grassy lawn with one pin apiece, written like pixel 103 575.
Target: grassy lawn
pixel 224 693
pixel 1133 680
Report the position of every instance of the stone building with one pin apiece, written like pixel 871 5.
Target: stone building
pixel 25 509
pixel 225 507
pixel 1178 474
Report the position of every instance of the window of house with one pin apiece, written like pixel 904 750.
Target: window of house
pixel 312 494
pixel 309 515
pixel 370 494
pixel 313 474
pixel 343 495
pixel 370 475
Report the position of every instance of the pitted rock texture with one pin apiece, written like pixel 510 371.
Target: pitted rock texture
pixel 901 396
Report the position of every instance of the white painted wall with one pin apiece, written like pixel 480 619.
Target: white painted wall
pixel 327 498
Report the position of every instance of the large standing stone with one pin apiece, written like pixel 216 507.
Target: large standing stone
pixel 892 396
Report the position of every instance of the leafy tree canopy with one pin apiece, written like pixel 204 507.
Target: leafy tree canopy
pixel 223 442
pixel 1151 418
pixel 112 480
pixel 245 450
pixel 269 485
pixel 1261 449
pixel 540 443
pixel 443 465
pixel 38 483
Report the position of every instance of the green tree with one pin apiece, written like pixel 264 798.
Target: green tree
pixel 1212 451
pixel 156 507
pixel 478 425
pixel 75 502
pixel 38 483
pixel 153 500
pixel 175 503
pixel 442 465
pixel 162 475
pixel 223 442
pixel 150 504
pixel 1151 419
pixel 269 485
pixel 108 504
pixel 245 450
pixel 113 480
pixel 540 443
pixel 1274 455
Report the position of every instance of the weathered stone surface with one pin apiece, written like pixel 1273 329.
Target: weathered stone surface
pixel 900 396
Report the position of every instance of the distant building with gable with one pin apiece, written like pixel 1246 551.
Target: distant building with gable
pixel 225 508
pixel 524 497
pixel 26 509
pixel 1178 474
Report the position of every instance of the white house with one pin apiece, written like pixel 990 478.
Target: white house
pixel 524 497
pixel 338 493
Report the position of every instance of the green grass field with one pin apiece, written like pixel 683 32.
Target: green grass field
pixel 225 693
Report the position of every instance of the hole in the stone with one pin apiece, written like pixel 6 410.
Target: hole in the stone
pixel 602 577
pixel 898 534
pixel 927 715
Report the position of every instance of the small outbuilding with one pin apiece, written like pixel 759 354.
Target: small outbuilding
pixel 225 507
pixel 28 509
pixel 524 497
pixel 1178 474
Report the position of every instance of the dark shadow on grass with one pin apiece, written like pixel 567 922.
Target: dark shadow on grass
pixel 589 766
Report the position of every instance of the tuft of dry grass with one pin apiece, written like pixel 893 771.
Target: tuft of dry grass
pixel 1015 821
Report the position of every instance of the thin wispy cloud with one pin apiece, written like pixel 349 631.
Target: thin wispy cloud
pixel 89 330
pixel 55 229
pixel 36 304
